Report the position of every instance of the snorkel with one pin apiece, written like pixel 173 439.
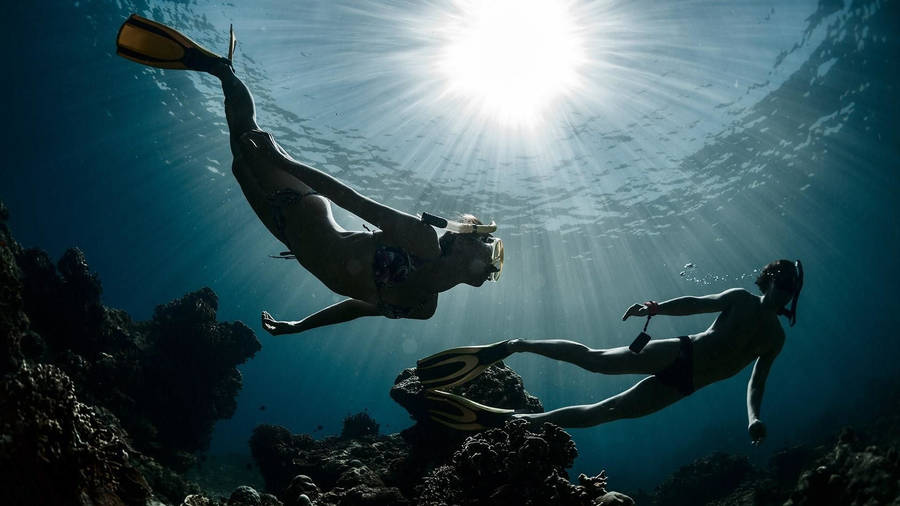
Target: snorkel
pixel 497 254
pixel 798 285
pixel 459 228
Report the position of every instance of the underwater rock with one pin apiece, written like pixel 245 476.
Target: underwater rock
pixel 168 380
pixel 512 466
pixel 242 496
pixel 13 322
pixel 190 378
pixel 497 386
pixel 704 480
pixel 88 398
pixel 301 492
pixel 57 450
pixel 363 495
pixel 294 465
pixel 166 484
pixel 273 448
pixel 359 425
pixel 850 474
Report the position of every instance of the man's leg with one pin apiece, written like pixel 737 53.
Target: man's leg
pixel 646 397
pixel 656 356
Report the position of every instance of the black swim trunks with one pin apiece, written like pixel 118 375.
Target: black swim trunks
pixel 680 373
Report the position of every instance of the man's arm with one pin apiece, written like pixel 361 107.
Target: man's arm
pixel 415 235
pixel 340 312
pixel 755 389
pixel 683 306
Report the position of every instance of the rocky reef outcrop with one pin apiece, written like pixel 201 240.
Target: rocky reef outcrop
pixel 168 379
pixel 430 464
pixel 852 470
pixel 513 466
pixel 508 465
pixel 55 449
pixel 367 467
pixel 96 408
pixel 432 443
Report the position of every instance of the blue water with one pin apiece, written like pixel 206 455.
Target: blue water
pixel 723 134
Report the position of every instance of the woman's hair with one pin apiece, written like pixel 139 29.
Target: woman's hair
pixel 446 241
pixel 782 271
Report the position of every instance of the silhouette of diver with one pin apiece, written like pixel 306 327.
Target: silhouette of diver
pixel 746 329
pixel 396 271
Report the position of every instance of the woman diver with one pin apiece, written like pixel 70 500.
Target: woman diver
pixel 396 271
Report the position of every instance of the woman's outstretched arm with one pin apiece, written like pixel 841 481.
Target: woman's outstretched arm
pixel 402 227
pixel 340 312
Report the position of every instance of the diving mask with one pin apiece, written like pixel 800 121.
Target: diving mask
pixel 496 259
pixel 496 264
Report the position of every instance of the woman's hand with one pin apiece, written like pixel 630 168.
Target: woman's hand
pixel 273 326
pixel 635 310
pixel 757 431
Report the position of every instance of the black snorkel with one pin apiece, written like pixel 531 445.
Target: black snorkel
pixel 798 285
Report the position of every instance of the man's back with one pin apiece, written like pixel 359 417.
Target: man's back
pixel 740 334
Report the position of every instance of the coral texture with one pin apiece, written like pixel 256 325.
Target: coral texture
pixel 168 379
pixel 514 466
pixel 56 450
pixel 297 464
pixel 359 425
pixel 88 398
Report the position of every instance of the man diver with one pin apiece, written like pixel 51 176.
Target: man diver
pixel 746 329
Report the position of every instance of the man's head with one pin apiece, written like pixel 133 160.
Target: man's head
pixel 781 281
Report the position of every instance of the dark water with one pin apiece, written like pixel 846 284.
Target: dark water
pixel 720 134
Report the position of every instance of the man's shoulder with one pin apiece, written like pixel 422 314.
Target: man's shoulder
pixel 739 296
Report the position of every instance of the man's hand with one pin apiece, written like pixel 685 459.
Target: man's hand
pixel 635 310
pixel 757 431
pixel 273 326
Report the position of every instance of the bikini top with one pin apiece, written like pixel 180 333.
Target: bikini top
pixel 391 266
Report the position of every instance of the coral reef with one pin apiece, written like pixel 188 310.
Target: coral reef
pixel 89 400
pixel 512 466
pixel 168 379
pixel 851 471
pixel 704 480
pixel 432 443
pixel 368 468
pixel 241 496
pixel 359 425
pixel 850 474
pixel 56 450
pixel 508 465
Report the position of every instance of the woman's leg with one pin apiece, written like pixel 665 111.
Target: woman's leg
pixel 274 194
pixel 240 111
pixel 656 356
